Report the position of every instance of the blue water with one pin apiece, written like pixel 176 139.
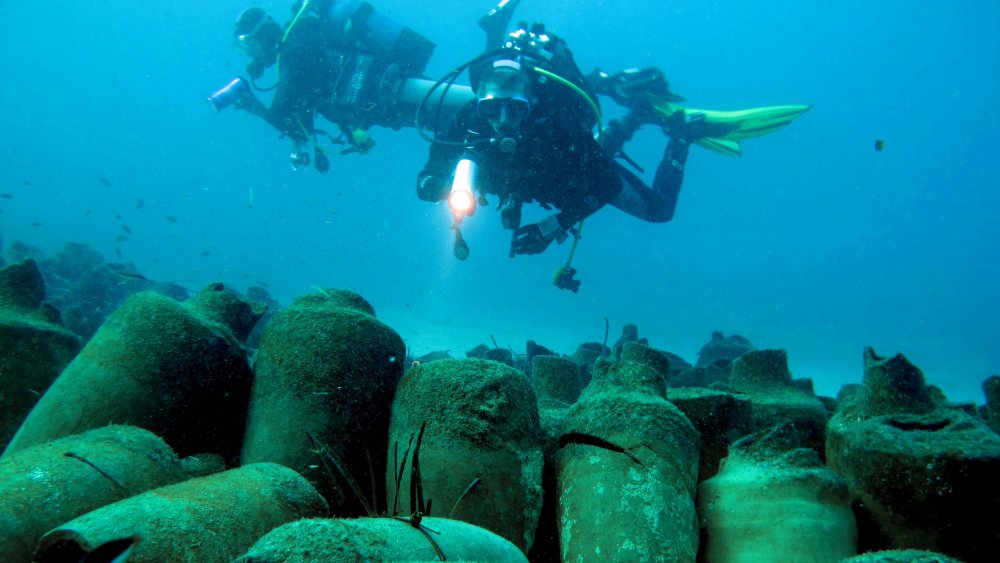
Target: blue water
pixel 812 241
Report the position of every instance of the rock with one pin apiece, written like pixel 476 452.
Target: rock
pixel 763 376
pixel 773 497
pixel 721 350
pixel 502 355
pixel 213 518
pixel 556 378
pixel 920 479
pixel 901 556
pixel 478 351
pixel 34 346
pixel 627 467
pixel 991 389
pixel 890 386
pixel 381 539
pixel 630 333
pixel 46 485
pixel 713 362
pixel 558 383
pixel 586 355
pixel 175 369
pixel 326 370
pixel 480 450
pixel 720 418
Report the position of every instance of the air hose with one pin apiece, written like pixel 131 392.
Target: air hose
pixel 563 278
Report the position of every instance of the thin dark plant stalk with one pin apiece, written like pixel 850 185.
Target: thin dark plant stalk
pixel 416 482
pixel 371 473
pixel 415 522
pixel 395 473
pixel 325 452
pixel 434 544
pixel 99 470
pixel 399 477
pixel 467 490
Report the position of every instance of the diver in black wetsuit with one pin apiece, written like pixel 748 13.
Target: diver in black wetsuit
pixel 337 58
pixel 529 138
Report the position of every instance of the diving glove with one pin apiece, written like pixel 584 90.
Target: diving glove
pixel 536 237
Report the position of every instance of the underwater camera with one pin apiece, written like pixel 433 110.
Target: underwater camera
pixel 564 279
pixel 228 94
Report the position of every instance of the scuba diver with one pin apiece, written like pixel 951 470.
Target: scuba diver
pixel 529 137
pixel 340 59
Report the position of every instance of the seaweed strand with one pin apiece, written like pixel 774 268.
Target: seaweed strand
pixel 416 482
pixel 99 470
pixel 467 490
pixel 326 453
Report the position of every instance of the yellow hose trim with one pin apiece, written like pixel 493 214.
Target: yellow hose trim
pixel 600 141
pixel 284 37
pixel 584 95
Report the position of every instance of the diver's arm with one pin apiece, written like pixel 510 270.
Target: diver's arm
pixel 281 115
pixel 249 103
pixel 432 181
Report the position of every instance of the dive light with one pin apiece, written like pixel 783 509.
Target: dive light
pixel 228 94
pixel 461 199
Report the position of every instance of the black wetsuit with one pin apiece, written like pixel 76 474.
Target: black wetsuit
pixel 333 64
pixel 557 163
pixel 309 71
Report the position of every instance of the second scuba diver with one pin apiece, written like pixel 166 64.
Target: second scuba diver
pixel 340 59
pixel 529 137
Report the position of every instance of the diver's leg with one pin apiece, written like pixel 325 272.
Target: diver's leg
pixel 656 204
pixel 668 179
pixel 495 23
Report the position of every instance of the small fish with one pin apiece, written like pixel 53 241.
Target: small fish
pixel 127 230
pixel 206 252
pixel 139 203
pixel 879 144
pixel 171 219
pixel 118 253
pixel 7 196
pixel 119 216
pixel 133 276
pixel 26 183
pixel 87 212
pixel 121 238
pixel 36 224
pixel 105 181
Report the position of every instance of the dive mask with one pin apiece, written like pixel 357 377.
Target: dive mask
pixel 504 114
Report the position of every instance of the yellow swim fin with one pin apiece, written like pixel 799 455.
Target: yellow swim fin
pixel 728 128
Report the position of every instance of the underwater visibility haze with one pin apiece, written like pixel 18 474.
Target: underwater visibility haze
pixel 870 220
